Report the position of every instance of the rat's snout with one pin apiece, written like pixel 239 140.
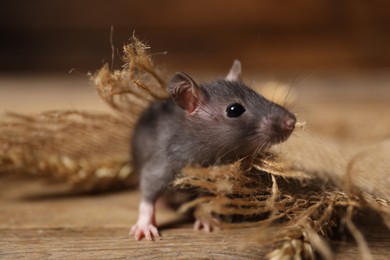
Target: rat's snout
pixel 279 127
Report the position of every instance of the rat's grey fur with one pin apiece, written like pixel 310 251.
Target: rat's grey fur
pixel 170 135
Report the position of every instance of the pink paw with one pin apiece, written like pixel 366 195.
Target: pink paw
pixel 149 231
pixel 206 225
pixel 146 224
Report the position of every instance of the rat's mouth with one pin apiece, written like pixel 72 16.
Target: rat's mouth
pixel 277 138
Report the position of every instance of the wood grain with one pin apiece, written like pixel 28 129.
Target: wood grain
pixel 45 221
pixel 113 243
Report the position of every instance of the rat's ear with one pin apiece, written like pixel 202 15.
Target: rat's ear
pixel 184 91
pixel 235 71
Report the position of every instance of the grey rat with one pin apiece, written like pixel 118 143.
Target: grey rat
pixel 207 124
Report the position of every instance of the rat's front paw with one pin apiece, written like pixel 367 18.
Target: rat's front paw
pixel 147 230
pixel 207 226
pixel 146 223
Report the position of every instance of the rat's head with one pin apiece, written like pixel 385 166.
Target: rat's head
pixel 230 115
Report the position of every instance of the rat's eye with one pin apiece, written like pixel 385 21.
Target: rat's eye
pixel 235 110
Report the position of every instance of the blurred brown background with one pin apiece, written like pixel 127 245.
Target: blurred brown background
pixel 56 36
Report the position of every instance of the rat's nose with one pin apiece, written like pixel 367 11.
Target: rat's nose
pixel 289 124
pixel 280 126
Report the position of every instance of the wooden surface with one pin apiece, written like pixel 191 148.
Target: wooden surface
pixel 45 221
pixel 40 220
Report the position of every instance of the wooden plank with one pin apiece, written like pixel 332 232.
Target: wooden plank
pixel 40 220
pixel 113 243
pixel 178 242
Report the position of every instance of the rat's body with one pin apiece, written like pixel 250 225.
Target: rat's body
pixel 209 124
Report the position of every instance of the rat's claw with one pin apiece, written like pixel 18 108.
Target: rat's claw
pixel 197 225
pixel 207 227
pixel 154 231
pixel 133 230
pixel 147 234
